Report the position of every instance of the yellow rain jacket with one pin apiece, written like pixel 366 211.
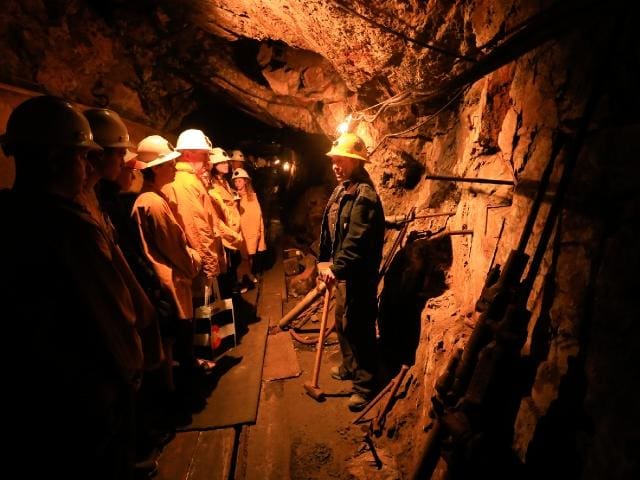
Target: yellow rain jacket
pixel 229 217
pixel 165 245
pixel 196 213
pixel 252 224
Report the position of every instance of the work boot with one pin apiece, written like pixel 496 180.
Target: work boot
pixel 340 374
pixel 357 402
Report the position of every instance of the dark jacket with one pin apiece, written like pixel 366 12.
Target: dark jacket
pixel 118 207
pixel 357 248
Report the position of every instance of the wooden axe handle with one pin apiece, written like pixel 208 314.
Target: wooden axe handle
pixel 304 303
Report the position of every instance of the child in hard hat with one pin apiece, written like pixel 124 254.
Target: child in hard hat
pixel 223 200
pixel 251 222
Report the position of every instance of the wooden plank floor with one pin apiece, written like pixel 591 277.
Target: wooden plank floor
pixel 198 456
pixel 211 454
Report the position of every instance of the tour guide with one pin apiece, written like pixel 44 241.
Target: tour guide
pixel 351 238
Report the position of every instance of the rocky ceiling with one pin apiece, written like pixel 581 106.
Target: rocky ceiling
pixel 297 63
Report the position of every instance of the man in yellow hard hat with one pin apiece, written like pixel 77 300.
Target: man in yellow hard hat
pixel 351 241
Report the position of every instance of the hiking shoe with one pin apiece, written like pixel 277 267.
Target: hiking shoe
pixel 147 468
pixel 357 402
pixel 239 288
pixel 340 374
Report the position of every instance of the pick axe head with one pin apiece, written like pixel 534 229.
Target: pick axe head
pixel 314 391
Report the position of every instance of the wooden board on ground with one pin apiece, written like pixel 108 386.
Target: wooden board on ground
pixel 281 360
pixel 234 400
pixel 198 456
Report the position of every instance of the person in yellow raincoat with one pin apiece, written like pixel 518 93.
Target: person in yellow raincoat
pixel 111 133
pixel 196 213
pixel 251 223
pixel 163 240
pixel 195 209
pixel 224 202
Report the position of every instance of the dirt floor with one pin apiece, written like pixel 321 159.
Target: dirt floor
pixel 297 437
pixel 294 436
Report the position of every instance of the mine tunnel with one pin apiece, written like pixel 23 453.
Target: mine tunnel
pixel 337 239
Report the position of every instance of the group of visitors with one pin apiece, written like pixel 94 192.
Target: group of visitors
pixel 99 286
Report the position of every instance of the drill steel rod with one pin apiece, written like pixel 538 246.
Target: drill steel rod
pixel 470 180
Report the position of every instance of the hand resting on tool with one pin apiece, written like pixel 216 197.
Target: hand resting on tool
pixel 325 274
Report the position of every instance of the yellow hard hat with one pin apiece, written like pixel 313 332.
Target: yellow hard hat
pixel 349 145
pixel 237 156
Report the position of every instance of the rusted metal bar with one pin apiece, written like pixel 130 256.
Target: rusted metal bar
pixel 372 448
pixel 376 426
pixel 430 236
pixel 394 248
pixel 492 181
pixel 373 402
pixel 394 221
pixel 495 249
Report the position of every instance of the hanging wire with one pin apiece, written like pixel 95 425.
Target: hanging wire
pixel 428 46
pixel 528 35
pixel 417 125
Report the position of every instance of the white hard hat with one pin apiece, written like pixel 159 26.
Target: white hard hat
pixel 130 159
pixel 193 139
pixel 153 151
pixel 218 155
pixel 237 156
pixel 240 173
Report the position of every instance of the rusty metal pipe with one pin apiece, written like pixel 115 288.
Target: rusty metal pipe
pixel 376 426
pixel 492 181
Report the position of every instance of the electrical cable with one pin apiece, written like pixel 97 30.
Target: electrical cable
pixel 530 34
pixel 417 125
pixel 428 46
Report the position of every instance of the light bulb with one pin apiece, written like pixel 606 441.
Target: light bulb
pixel 286 166
pixel 344 126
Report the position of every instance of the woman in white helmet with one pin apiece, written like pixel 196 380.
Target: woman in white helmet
pixel 165 244
pixel 224 202
pixel 251 223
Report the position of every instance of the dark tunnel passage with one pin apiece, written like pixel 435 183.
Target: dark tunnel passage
pixel 289 168
pixel 416 274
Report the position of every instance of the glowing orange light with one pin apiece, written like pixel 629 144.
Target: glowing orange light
pixel 344 126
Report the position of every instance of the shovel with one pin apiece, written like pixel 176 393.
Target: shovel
pixel 313 390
